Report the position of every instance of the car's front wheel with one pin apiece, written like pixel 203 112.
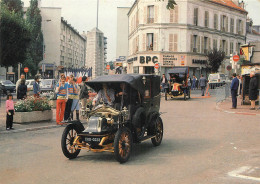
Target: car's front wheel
pixel 68 137
pixel 123 144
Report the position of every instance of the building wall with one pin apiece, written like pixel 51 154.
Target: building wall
pixel 51 23
pixel 72 47
pixel 122 31
pixel 173 32
pixel 95 52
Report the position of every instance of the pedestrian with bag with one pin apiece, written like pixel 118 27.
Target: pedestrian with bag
pixel 61 91
pixel 253 90
pixel 9 105
pixel 234 89
pixel 75 101
pixel 84 93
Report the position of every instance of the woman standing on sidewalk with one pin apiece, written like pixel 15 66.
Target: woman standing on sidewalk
pixel 61 91
pixel 252 90
pixel 9 112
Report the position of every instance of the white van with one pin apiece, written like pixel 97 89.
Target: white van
pixel 217 79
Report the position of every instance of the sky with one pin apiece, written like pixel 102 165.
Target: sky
pixel 81 14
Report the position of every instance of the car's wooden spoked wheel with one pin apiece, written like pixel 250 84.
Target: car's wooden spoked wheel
pixel 72 134
pixel 68 137
pixel 124 144
pixel 158 132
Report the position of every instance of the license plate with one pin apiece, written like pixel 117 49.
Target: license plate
pixel 93 139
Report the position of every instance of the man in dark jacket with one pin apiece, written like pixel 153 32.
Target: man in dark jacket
pixel 202 83
pixel 234 88
pixel 83 96
pixel 164 82
pixel 22 90
pixel 252 90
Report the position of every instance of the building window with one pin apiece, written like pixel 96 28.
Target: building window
pixel 194 43
pixel 224 23
pixel 195 16
pixel 150 15
pixel 239 27
pixel 173 42
pixel 215 44
pixel 174 15
pixel 205 49
pixel 136 69
pixel 215 21
pixel 231 47
pixel 206 21
pixel 149 45
pixel 231 25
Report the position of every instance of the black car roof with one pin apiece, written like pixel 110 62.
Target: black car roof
pixel 180 70
pixel 134 80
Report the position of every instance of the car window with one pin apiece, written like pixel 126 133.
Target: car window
pixel 7 82
pixel 147 92
pixel 46 82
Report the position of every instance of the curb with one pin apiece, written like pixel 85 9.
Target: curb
pixel 34 129
pixel 231 112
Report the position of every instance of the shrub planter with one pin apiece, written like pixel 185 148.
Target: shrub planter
pixel 34 116
pixel 53 103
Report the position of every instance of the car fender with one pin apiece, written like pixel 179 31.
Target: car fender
pixel 77 125
pixel 151 116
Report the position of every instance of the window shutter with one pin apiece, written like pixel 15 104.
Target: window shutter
pixel 156 14
pixel 226 51
pixel 242 27
pixel 198 43
pixel 171 15
pixel 144 42
pixel 155 45
pixel 226 26
pixel 137 43
pixel 237 26
pixel 221 23
pixel 221 46
pixel 209 44
pixel 145 14
pixel 191 43
pixel 170 42
pixel 176 9
pixel 175 43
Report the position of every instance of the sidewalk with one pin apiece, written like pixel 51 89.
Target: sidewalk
pixel 226 105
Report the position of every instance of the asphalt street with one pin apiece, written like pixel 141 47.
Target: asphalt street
pixel 201 145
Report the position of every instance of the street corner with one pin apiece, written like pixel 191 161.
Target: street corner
pixel 225 106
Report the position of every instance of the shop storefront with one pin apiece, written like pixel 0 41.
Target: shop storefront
pixel 144 63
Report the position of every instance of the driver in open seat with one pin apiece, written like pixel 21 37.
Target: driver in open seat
pixel 106 94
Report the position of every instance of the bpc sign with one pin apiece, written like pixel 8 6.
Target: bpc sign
pixel 147 59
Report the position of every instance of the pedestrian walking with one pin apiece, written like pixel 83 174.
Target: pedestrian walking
pixel 61 91
pixel 22 90
pixel 234 90
pixel 194 80
pixel 36 87
pixel 70 98
pixel 164 82
pixel 253 90
pixel 75 101
pixel 84 93
pixel 202 84
pixel 9 105
pixel 19 82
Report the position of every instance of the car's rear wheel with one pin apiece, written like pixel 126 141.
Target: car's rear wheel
pixel 157 125
pixel 69 150
pixel 123 144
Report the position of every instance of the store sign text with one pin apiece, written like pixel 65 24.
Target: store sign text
pixel 198 61
pixel 147 59
pixel 169 60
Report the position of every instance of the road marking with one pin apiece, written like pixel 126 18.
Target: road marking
pixel 237 173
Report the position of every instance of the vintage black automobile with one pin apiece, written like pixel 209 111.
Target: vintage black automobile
pixel 133 118
pixel 178 83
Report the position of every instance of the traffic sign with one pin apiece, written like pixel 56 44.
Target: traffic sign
pixel 236 58
pixel 156 66
pixel 26 69
pixel 108 67
pixel 229 68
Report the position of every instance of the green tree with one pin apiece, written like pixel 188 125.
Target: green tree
pixel 171 4
pixel 35 50
pixel 215 59
pixel 14 5
pixel 14 37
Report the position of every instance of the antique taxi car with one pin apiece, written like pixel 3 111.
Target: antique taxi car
pixel 133 118
pixel 178 83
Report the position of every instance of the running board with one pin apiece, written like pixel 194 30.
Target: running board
pixel 147 138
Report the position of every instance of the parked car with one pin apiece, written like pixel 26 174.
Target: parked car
pixel 7 86
pixel 29 83
pixel 217 79
pixel 48 85
pixel 134 118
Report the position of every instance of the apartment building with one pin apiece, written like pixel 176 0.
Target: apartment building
pixel 183 36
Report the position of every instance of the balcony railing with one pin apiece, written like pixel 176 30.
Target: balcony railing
pixel 149 48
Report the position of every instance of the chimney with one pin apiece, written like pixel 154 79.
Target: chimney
pixel 242 4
